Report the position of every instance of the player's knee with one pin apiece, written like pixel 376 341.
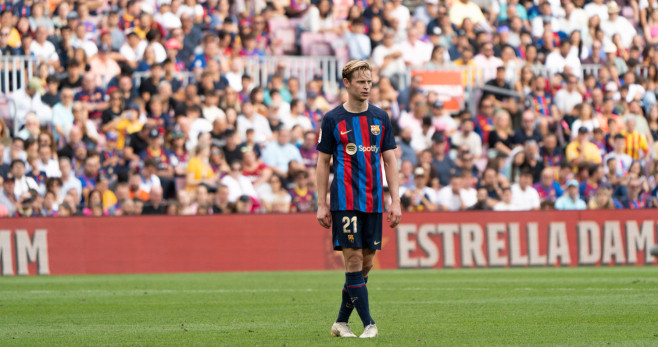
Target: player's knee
pixel 366 268
pixel 355 262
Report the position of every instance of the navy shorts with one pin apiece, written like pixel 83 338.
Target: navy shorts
pixel 355 229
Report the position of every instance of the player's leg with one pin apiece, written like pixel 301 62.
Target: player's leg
pixel 372 240
pixel 339 239
pixel 346 306
pixel 356 284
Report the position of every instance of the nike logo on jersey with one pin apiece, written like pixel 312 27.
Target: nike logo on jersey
pixel 376 243
pixel 345 132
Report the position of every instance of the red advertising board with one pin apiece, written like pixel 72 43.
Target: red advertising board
pixel 448 84
pixel 149 244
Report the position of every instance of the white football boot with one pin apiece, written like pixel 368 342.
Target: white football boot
pixel 341 329
pixel 370 331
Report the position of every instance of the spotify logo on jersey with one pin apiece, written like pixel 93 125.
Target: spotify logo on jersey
pixel 350 149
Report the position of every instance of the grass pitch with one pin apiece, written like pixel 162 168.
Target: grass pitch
pixel 483 307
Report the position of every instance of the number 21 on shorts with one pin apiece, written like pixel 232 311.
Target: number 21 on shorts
pixel 346 224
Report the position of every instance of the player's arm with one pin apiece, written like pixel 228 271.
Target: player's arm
pixel 393 178
pixel 322 175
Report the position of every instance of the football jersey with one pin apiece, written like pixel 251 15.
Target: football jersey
pixel 356 141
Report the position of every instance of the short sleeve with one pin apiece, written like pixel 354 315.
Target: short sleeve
pixel 326 139
pixel 388 140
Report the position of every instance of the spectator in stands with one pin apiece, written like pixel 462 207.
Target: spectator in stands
pixel 467 137
pixel 7 197
pixel 528 130
pixel 570 200
pixel 524 196
pixel 487 61
pixel 28 99
pixel 278 154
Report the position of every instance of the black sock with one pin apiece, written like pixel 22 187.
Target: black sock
pixel 356 286
pixel 346 306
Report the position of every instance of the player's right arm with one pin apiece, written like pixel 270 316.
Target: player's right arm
pixel 326 146
pixel 322 174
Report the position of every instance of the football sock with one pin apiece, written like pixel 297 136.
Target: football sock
pixel 356 286
pixel 346 306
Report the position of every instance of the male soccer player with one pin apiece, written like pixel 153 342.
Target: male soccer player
pixel 357 135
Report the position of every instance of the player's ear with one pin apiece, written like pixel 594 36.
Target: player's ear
pixel 346 82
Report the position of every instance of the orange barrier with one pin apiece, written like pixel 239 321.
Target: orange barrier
pixel 149 244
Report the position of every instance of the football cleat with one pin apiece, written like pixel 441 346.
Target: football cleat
pixel 341 329
pixel 370 331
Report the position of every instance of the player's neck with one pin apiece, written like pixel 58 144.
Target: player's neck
pixel 356 106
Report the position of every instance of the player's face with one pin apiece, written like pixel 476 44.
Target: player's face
pixel 359 87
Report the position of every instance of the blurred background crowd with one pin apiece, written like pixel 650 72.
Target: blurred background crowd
pixel 145 107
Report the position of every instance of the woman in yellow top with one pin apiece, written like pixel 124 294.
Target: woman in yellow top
pixel 199 169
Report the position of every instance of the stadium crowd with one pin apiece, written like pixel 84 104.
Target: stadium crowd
pixel 86 138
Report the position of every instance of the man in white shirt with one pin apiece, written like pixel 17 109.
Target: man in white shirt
pixel 505 203
pixel 597 8
pixel 622 161
pixel 129 48
pixel 467 136
pixel 47 163
pixel 441 120
pixel 567 98
pixel 415 52
pixel 401 14
pixel 29 99
pixel 617 24
pixel 388 56
pixel 198 125
pixel 358 43
pixel 297 116
pixel 524 196
pixel 238 184
pixel 249 119
pixel 560 58
pixel 449 197
pixel 22 183
pixel 43 49
pixel 278 154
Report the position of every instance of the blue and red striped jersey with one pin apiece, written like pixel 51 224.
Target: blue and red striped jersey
pixel 356 141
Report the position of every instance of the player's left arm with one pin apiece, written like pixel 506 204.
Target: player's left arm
pixel 394 214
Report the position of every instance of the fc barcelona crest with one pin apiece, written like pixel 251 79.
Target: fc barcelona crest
pixel 374 129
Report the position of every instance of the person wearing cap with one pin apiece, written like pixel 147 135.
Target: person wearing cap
pixel 442 163
pixel 570 200
pixel 7 197
pixel 581 150
pixel 467 136
pixel 22 182
pixel 421 196
pixel 28 99
pixel 426 12
pixel 616 24
pixel 103 66
pixel 130 48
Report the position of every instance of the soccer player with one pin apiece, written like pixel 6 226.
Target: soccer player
pixel 357 135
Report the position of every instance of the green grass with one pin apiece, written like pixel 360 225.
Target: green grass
pixel 483 307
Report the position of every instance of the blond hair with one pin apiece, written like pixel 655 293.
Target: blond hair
pixel 353 66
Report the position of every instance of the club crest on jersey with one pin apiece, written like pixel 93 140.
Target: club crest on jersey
pixel 374 129
pixel 350 149
pixel 351 238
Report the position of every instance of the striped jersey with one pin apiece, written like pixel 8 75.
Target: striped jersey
pixel 356 141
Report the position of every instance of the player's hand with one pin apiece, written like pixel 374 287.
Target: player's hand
pixel 324 217
pixel 394 214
